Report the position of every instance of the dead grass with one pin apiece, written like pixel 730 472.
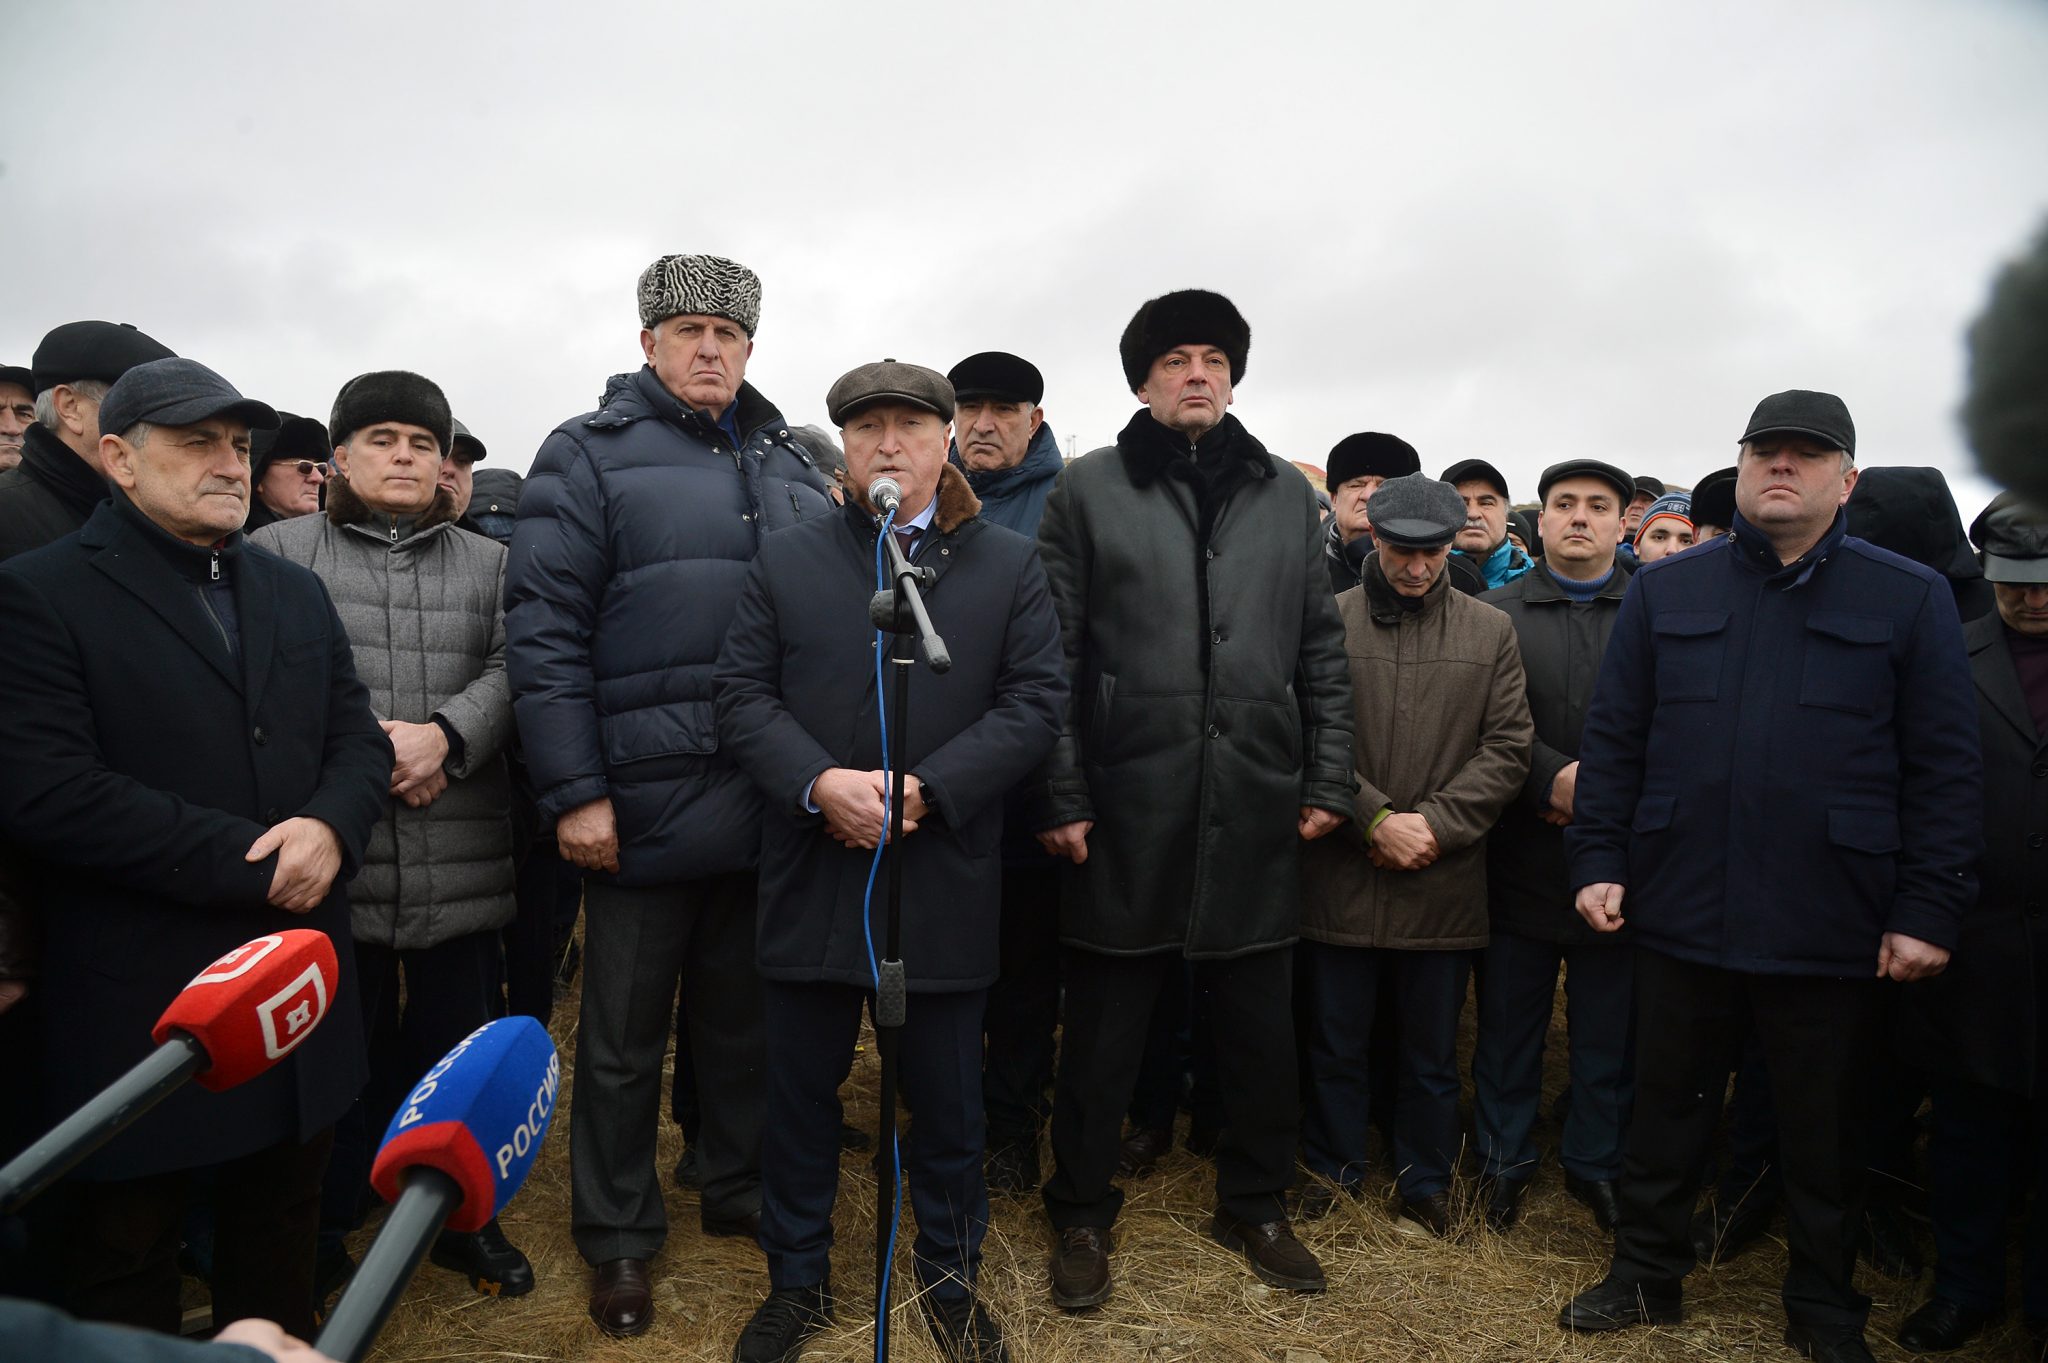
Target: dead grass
pixel 1179 1296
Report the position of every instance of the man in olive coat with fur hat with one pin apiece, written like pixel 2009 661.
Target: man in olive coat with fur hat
pixel 1209 736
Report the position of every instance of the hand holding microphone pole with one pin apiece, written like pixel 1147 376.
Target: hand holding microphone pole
pixel 238 1017
pixel 455 1153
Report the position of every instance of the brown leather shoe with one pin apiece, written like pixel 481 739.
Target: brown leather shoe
pixel 1272 1251
pixel 1141 1152
pixel 1080 1268
pixel 621 1301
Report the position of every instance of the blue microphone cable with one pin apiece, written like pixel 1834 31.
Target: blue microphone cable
pixel 867 920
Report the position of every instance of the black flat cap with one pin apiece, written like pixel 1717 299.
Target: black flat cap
pixel 997 374
pixel 1184 317
pixel 2014 538
pixel 1799 411
pixel 1623 485
pixel 93 350
pixel 1466 470
pixel 1369 454
pixel 177 392
pixel 466 447
pixel 21 376
pixel 296 437
pixel 1713 499
pixel 1649 485
pixel 889 381
pixel 1416 512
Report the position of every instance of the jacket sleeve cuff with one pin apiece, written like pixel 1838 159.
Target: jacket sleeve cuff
pixel 1924 922
pixel 1598 868
pixel 554 803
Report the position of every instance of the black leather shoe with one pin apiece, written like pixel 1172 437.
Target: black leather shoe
pixel 1319 1198
pixel 1274 1254
pixel 1941 1325
pixel 1724 1230
pixel 1830 1343
pixel 493 1265
pixel 781 1324
pixel 853 1138
pixel 1504 1202
pixel 964 1332
pixel 1601 1196
pixel 745 1226
pixel 689 1177
pixel 1013 1168
pixel 1141 1152
pixel 1080 1268
pixel 1612 1304
pixel 1430 1214
pixel 1887 1244
pixel 332 1268
pixel 621 1301
pixel 1203 1139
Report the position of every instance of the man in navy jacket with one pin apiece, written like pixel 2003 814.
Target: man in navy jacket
pixel 798 709
pixel 1780 791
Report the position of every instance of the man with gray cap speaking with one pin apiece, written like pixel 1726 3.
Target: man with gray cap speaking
pixel 1442 735
pixel 1780 793
pixel 191 763
pixel 1209 736
pixel 636 526
pixel 798 719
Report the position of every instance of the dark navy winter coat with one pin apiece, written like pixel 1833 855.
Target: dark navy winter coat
pixel 636 527
pixel 797 694
pixel 1781 762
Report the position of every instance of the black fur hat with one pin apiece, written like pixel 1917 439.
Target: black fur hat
pixel 1184 317
pixel 2005 405
pixel 392 395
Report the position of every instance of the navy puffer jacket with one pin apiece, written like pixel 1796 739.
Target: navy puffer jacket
pixel 636 527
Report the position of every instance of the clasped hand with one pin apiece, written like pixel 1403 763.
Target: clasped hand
pixel 853 805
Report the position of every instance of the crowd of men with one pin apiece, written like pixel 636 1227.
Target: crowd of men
pixel 1232 777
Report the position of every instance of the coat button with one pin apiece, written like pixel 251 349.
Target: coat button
pixel 2035 839
pixel 1215 731
pixel 1208 553
pixel 1215 636
pixel 2040 770
pixel 260 737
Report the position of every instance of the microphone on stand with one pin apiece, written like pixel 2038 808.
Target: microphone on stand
pixel 885 495
pixel 238 1017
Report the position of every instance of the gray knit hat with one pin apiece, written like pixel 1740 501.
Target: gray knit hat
pixel 710 285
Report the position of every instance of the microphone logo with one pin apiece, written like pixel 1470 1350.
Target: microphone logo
pixel 289 1016
pixel 239 962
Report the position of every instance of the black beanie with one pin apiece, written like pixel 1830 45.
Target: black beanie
pixel 1370 452
pixel 392 395
pixel 1184 317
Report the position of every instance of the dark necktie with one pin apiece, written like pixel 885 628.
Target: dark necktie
pixel 906 540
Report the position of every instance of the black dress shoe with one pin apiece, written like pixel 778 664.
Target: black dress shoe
pixel 1275 1256
pixel 332 1268
pixel 745 1226
pixel 1012 1168
pixel 493 1265
pixel 1612 1304
pixel 1887 1244
pixel 1141 1152
pixel 1830 1343
pixel 689 1177
pixel 1504 1202
pixel 781 1324
pixel 853 1138
pixel 621 1301
pixel 1725 1229
pixel 1940 1325
pixel 1319 1198
pixel 965 1333
pixel 1203 1139
pixel 1431 1214
pixel 1602 1196
pixel 1080 1268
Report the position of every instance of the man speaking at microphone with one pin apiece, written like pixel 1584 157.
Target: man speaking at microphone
pixel 191 763
pixel 798 708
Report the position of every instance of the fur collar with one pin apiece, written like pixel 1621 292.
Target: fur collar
pixel 344 507
pixel 1151 451
pixel 957 502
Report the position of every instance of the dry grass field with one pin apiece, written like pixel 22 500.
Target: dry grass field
pixel 1180 1297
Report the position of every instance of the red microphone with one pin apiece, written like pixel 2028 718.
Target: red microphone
pixel 238 1017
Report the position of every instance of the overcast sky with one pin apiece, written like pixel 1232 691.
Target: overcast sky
pixel 1518 232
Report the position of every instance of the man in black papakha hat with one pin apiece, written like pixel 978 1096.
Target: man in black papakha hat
pixel 1209 737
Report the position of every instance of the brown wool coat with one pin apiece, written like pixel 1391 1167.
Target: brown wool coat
pixel 1441 729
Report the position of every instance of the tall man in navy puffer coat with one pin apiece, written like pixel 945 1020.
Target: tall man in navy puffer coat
pixel 1780 789
pixel 636 528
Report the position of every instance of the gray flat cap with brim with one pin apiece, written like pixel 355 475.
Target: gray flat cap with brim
pixel 889 381
pixel 1416 512
pixel 2014 538
pixel 177 392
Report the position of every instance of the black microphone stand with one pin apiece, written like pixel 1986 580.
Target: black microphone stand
pixel 900 613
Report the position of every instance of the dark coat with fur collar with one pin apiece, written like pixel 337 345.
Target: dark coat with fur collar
pixel 421 601
pixel 1211 696
pixel 797 695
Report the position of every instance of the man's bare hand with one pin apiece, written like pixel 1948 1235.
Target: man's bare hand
pixel 418 750
pixel 268 1337
pixel 1563 791
pixel 1316 822
pixel 1402 842
pixel 1908 958
pixel 1600 906
pixel 914 805
pixel 588 836
pixel 11 993
pixel 1069 840
pixel 426 792
pixel 308 857
pixel 852 803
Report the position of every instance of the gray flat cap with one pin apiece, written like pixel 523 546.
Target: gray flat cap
pixel 889 381
pixel 1416 512
pixel 2014 538
pixel 177 392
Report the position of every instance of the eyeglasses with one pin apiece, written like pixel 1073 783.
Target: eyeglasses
pixel 306 468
